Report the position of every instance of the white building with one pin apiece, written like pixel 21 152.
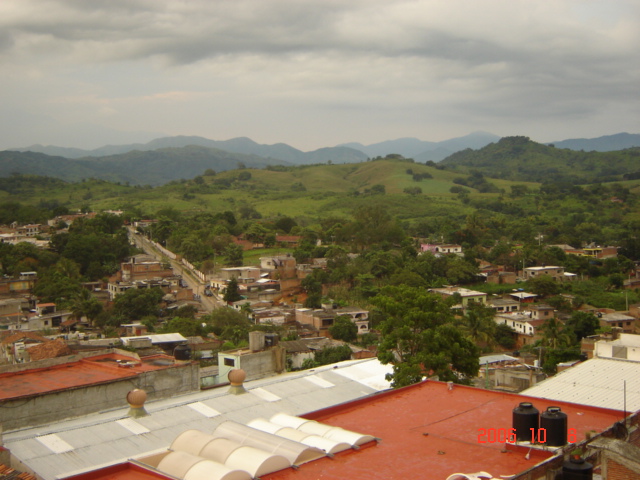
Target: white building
pixel 626 347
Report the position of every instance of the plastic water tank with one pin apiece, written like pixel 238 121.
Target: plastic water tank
pixel 182 352
pixel 577 469
pixel 525 417
pixel 554 421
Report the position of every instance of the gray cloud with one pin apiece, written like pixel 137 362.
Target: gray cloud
pixel 432 67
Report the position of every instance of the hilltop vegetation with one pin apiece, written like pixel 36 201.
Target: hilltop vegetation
pixel 520 159
pixel 428 201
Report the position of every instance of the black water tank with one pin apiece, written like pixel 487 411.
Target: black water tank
pixel 525 417
pixel 577 469
pixel 554 421
pixel 182 352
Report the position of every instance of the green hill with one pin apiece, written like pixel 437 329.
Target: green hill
pixel 414 193
pixel 154 167
pixel 520 159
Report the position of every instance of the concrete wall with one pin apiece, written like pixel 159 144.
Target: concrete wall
pixel 516 379
pixel 73 402
pixel 255 365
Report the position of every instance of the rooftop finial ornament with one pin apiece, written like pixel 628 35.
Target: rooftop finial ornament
pixel 136 399
pixel 236 377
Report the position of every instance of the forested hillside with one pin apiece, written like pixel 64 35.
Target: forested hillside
pixel 520 159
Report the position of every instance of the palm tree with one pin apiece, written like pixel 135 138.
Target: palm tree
pixel 83 304
pixel 478 324
pixel 553 334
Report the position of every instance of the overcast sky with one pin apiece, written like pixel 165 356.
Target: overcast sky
pixel 316 73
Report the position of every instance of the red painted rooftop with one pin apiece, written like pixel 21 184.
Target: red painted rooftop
pixel 81 373
pixel 429 431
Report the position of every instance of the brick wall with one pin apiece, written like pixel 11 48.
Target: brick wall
pixel 617 471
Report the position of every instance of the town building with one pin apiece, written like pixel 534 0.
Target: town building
pixel 620 320
pixel 441 249
pixel 540 311
pixel 557 273
pixel 78 446
pixel 625 347
pixel 47 391
pixel 322 319
pixel 503 305
pixel 523 323
pixel 466 296
pixel 444 429
pixel 20 285
pixel 143 267
pixel 598 382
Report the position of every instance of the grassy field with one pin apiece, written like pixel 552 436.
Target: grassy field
pixel 309 193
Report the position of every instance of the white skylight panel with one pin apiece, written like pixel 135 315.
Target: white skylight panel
pixel 265 395
pixel 205 410
pixel 54 443
pixel 133 426
pixel 320 382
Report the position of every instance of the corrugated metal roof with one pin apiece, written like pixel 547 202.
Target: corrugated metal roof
pixel 599 382
pixel 102 439
pixel 157 338
pixel 496 358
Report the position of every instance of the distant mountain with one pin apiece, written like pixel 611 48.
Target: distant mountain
pixel 44 165
pixel 335 155
pixel 421 150
pixel 155 167
pixel 608 143
pixel 520 159
pixel 241 145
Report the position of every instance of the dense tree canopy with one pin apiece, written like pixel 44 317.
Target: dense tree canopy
pixel 419 337
pixel 135 304
pixel 344 329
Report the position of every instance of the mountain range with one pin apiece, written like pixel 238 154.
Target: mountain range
pixel 608 143
pixel 181 157
pixel 277 153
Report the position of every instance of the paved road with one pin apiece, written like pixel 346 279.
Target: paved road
pixel 193 282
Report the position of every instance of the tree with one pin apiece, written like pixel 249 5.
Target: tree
pixel 419 337
pixel 543 285
pixel 83 304
pixel 286 224
pixel 330 355
pixel 344 329
pixel 232 293
pixel 313 300
pixel 505 336
pixel 270 240
pixel 554 335
pixel 256 233
pixel 413 190
pixel 234 254
pixel 135 304
pixel 373 225
pixel 59 283
pixel 226 322
pixel 187 327
pixel 479 325
pixel 583 324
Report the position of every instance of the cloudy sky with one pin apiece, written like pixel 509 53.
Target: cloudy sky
pixel 316 73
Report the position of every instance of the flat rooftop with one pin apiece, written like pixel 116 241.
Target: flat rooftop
pixel 124 471
pixel 82 373
pixel 428 428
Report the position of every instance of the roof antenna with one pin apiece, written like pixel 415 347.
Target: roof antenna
pixel 624 388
